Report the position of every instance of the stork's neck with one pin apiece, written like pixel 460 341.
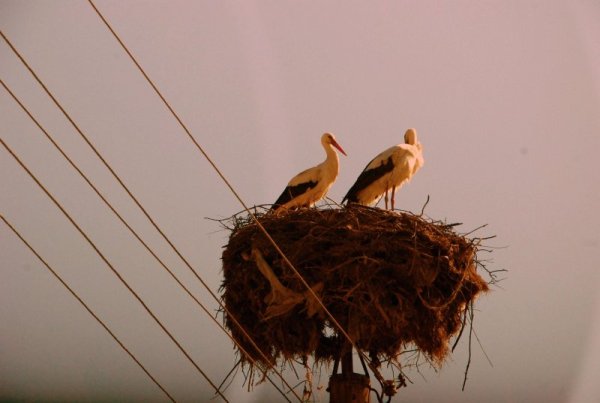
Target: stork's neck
pixel 332 161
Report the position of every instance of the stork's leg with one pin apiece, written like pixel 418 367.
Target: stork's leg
pixel 393 193
pixel 386 199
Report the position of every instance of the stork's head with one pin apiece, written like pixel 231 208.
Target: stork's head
pixel 329 139
pixel 410 137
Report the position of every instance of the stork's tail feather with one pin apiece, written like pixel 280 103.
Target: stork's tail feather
pixel 350 198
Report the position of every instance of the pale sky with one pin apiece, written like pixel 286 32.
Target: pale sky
pixel 505 96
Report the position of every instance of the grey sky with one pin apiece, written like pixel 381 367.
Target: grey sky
pixel 505 96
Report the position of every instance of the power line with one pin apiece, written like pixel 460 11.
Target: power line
pixel 93 245
pixel 135 234
pixel 228 184
pixel 137 202
pixel 90 311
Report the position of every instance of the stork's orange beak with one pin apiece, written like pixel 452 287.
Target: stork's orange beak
pixel 339 147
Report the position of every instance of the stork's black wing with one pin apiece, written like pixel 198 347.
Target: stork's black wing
pixel 291 192
pixel 367 177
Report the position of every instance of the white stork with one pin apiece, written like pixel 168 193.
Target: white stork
pixel 310 186
pixel 389 170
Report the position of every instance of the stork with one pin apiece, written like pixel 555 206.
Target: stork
pixel 310 186
pixel 387 171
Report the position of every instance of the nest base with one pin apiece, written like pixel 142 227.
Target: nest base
pixel 395 280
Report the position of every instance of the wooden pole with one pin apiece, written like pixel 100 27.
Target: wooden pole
pixel 347 368
pixel 349 387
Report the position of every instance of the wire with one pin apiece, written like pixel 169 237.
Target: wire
pixel 218 171
pixel 61 208
pixel 137 202
pixel 91 312
pixel 135 234
pixel 228 184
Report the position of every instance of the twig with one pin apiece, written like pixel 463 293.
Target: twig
pixel 471 315
pixel 235 367
pixel 483 349
pixel 333 202
pixel 424 205
pixel 476 229
pixel 462 328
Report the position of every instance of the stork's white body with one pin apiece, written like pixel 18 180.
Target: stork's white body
pixel 388 171
pixel 323 175
pixel 311 185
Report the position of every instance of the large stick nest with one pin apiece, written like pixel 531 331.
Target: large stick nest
pixel 392 279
